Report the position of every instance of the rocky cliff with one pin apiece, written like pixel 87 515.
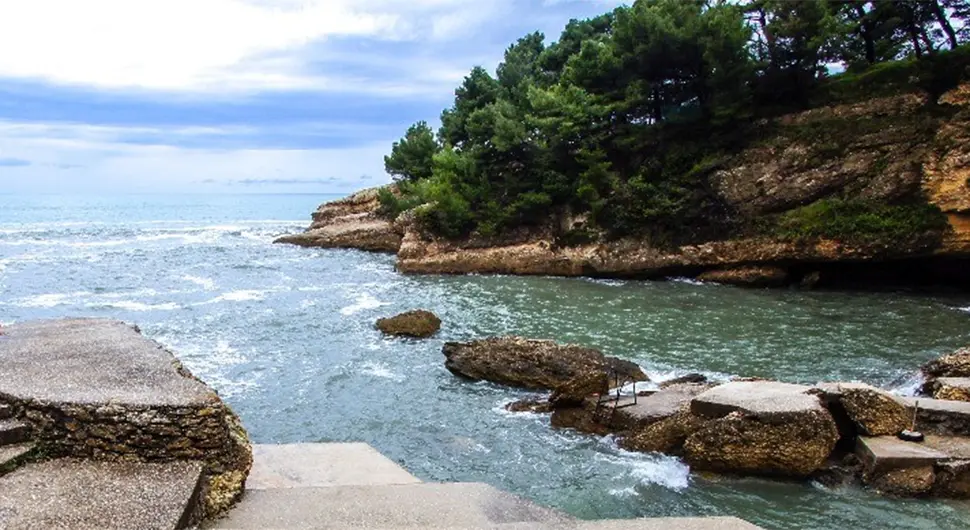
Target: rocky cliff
pixel 885 150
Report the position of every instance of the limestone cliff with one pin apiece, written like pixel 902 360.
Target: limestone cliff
pixel 884 150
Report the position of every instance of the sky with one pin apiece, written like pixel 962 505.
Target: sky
pixel 248 96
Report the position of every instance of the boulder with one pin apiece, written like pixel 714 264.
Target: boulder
pixel 873 412
pixel 582 419
pixel 665 436
pixel 951 388
pixel 956 364
pixel 762 428
pixel 747 276
pixel 419 324
pixel 577 389
pixel 953 480
pixel 689 378
pixel 907 482
pixel 537 406
pixel 526 363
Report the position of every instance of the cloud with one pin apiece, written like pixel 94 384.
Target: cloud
pixel 14 162
pixel 285 182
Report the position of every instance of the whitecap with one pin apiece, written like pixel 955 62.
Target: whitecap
pixel 380 370
pixel 205 283
pixel 363 303
pixel 131 305
pixel 51 300
pixel 237 296
pixel 688 281
pixel 624 493
pixel 662 470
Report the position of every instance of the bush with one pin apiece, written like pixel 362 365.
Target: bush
pixel 862 222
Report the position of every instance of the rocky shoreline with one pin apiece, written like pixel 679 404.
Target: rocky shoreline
pixel 834 433
pixel 762 180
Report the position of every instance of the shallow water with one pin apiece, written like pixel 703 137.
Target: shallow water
pixel 286 336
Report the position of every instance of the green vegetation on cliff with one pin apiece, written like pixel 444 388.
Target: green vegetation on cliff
pixel 628 115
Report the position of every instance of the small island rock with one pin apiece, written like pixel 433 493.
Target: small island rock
pixel 418 324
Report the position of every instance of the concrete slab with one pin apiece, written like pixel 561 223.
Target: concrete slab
pixel 939 416
pixel 401 506
pixel 764 399
pixel 13 432
pixel 655 407
pixel 83 495
pixel 322 465
pixel 886 453
pixel 956 447
pixel 92 361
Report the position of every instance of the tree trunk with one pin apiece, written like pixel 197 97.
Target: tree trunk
pixel 941 17
pixel 865 29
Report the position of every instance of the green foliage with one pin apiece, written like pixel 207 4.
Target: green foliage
pixel 628 114
pixel 410 158
pixel 861 222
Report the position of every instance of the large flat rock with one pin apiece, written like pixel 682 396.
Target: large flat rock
pixel 887 453
pixel 393 506
pixel 89 361
pixel 322 465
pixel 766 400
pixel 85 495
pixel 655 407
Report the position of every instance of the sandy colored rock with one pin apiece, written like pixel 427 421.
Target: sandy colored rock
pixel 747 445
pixel 515 361
pixel 953 480
pixel 764 276
pixel 956 364
pixel 351 222
pixel 665 436
pixel 874 412
pixel 951 388
pixel 418 324
pixel 908 482
pixel 577 389
pixel 761 428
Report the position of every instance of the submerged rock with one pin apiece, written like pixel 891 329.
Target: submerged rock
pixel 764 276
pixel 538 364
pixel 418 324
pixel 761 428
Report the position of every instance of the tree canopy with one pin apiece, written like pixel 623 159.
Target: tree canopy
pixel 626 113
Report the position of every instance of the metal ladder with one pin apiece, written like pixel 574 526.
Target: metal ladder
pixel 607 404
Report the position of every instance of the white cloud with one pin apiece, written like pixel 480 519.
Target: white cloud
pixel 208 45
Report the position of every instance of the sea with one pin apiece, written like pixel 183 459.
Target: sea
pixel 286 336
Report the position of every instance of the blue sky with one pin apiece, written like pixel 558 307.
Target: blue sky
pixel 236 95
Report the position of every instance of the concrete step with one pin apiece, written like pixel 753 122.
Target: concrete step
pixel 6 412
pixel 13 432
pixel 323 465
pixel 12 455
pixel 406 505
pixel 882 454
pixel 87 495
pixel 938 416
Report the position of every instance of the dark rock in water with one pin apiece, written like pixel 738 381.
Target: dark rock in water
pixel 579 418
pixel 538 364
pixel 689 378
pixel 419 324
pixel 538 406
pixel 574 392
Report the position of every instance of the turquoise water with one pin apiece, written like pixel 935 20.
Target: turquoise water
pixel 286 336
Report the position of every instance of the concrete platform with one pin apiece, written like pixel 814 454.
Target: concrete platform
pixel 89 361
pixel 939 416
pixel 395 506
pixel 322 465
pixel 11 455
pixel 764 399
pixel 655 407
pixel 84 495
pixel 886 453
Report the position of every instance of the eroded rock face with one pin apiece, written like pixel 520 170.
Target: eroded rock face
pixel 951 388
pixel 764 276
pixel 956 364
pixel 515 361
pixel 418 324
pixel 352 222
pixel 761 428
pixel 874 412
pixel 665 436
pixel 576 390
pixel 908 482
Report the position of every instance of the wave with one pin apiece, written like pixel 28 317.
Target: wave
pixel 688 281
pixel 51 299
pixel 380 370
pixel 242 295
pixel 648 468
pixel 364 302
pixel 131 305
pixel 205 283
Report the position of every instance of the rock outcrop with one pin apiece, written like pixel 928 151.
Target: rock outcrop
pixel 537 364
pixel 417 324
pixel 763 276
pixel 873 412
pixel 352 222
pixel 761 428
pixel 951 388
pixel 956 364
